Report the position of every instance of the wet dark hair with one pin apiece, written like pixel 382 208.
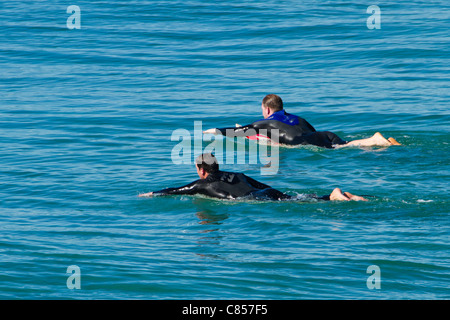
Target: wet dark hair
pixel 273 102
pixel 207 162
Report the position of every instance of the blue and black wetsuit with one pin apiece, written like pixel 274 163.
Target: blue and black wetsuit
pixel 230 185
pixel 292 130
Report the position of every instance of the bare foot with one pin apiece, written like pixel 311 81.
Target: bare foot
pixel 211 131
pixel 338 195
pixel 394 142
pixel 376 140
pixel 149 194
pixel 354 197
pixel 379 140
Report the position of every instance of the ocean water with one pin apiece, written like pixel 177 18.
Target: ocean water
pixel 87 115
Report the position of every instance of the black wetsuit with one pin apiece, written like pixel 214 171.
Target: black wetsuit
pixel 292 130
pixel 230 185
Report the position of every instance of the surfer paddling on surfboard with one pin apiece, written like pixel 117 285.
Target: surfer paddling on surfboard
pixel 231 185
pixel 293 130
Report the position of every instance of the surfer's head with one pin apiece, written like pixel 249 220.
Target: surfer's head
pixel 206 163
pixel 270 104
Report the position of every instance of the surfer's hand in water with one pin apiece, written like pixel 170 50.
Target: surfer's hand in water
pixel 149 194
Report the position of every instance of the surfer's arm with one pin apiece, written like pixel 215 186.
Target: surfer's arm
pixel 190 188
pixel 257 184
pixel 307 125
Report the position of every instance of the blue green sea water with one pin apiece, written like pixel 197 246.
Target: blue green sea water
pixel 86 118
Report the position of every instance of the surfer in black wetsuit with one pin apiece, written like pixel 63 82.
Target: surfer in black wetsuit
pixel 230 185
pixel 293 130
